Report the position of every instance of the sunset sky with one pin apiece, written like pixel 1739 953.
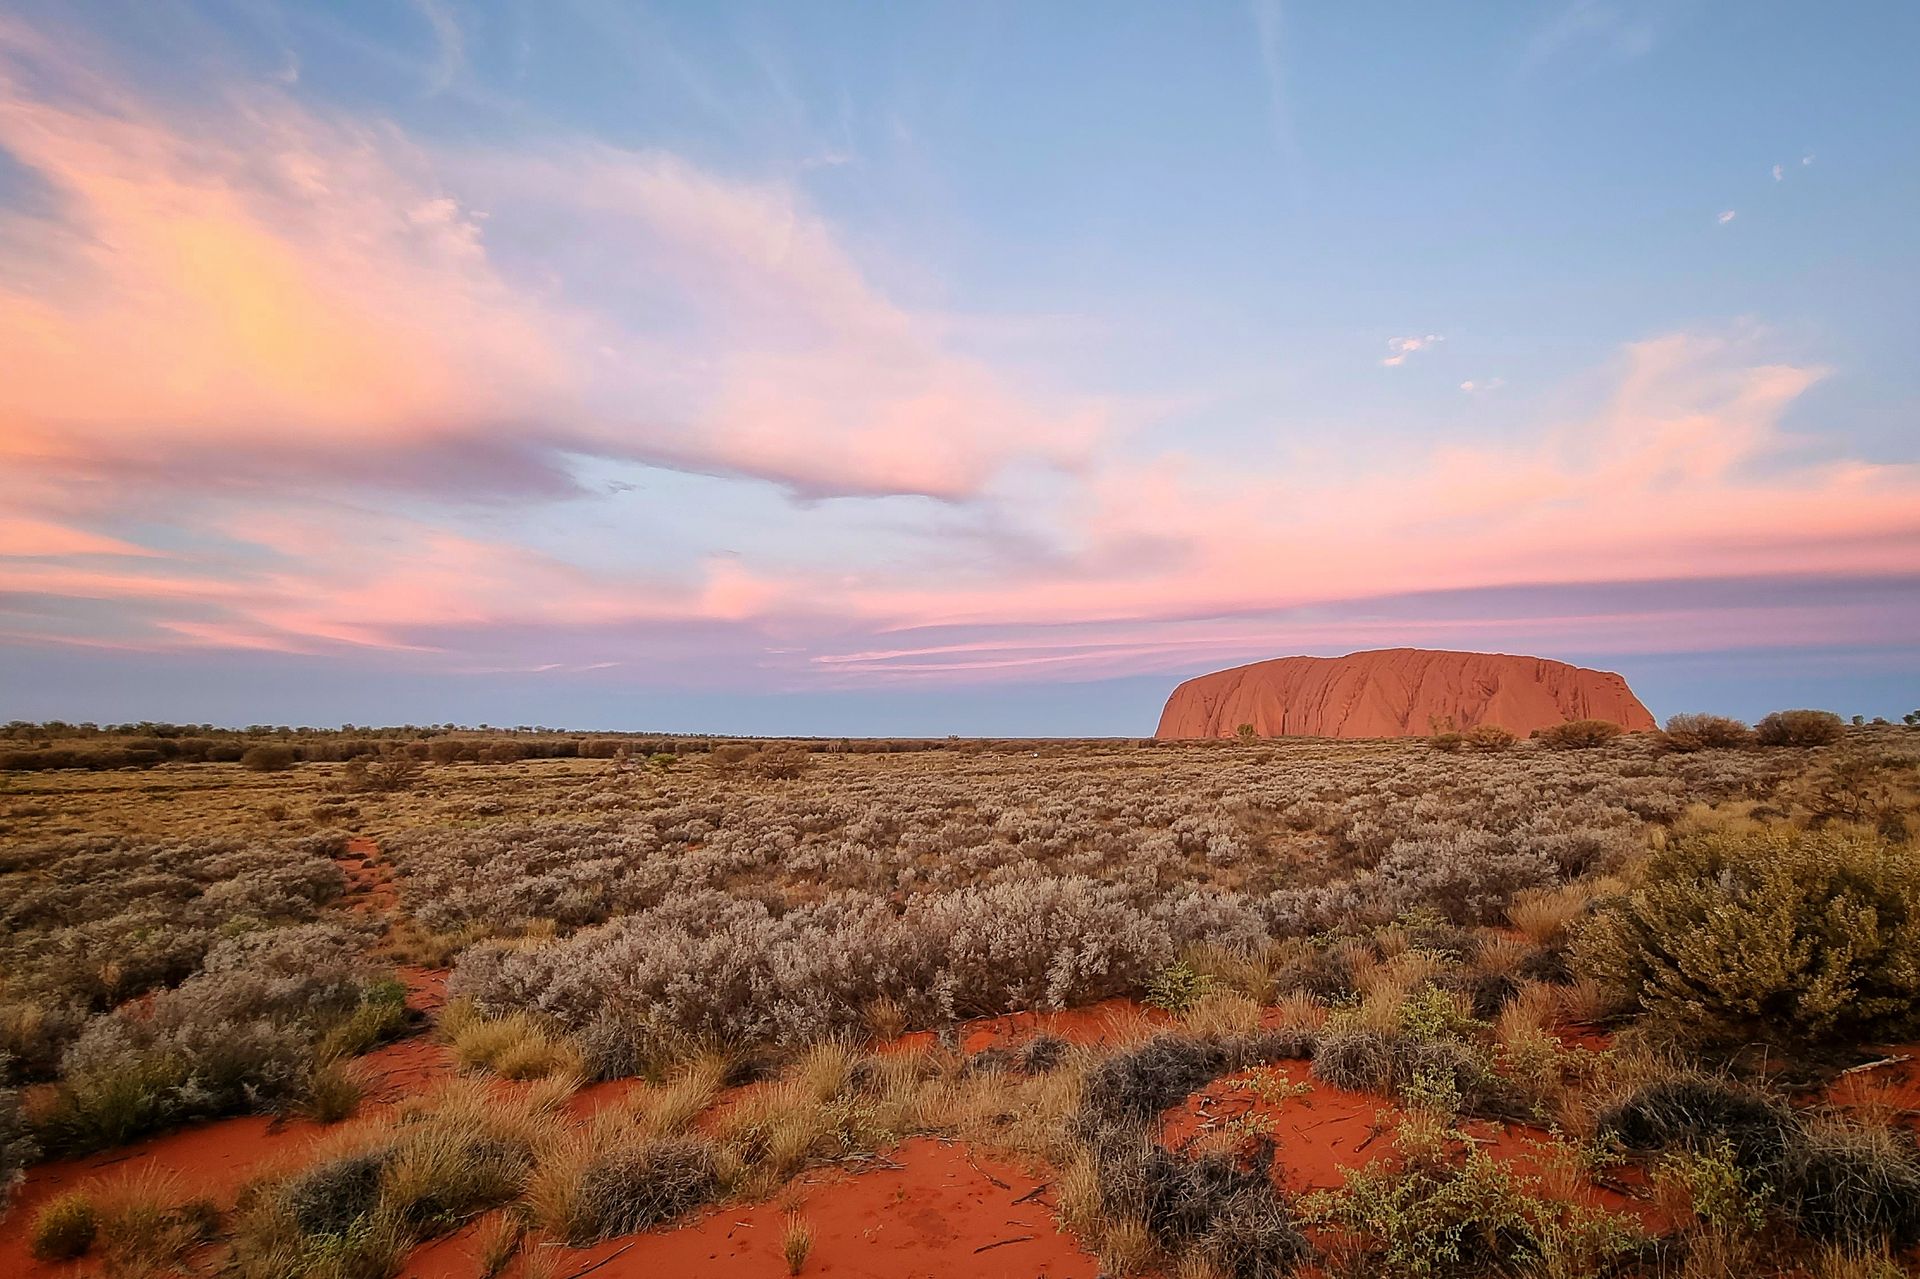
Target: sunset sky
pixel 974 368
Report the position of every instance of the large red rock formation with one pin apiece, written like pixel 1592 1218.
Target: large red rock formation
pixel 1397 692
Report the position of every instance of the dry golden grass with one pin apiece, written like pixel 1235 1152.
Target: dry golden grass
pixel 1251 976
pixel 517 1046
pixel 1222 1012
pixel 796 1242
pixel 1302 1010
pixel 1544 915
pixel 673 1106
pixel 1126 1247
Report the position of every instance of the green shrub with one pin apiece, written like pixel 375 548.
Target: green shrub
pixel 1735 937
pixel 1177 987
pixel 1578 734
pixel 1438 1212
pixel 65 1227
pixel 1800 728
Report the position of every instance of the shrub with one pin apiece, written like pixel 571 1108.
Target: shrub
pixel 1435 1213
pixel 1698 1114
pixel 1489 737
pixel 1738 936
pixel 1177 987
pixel 1706 732
pixel 17 1147
pixel 1447 742
pixel 1132 1088
pixel 1835 1183
pixel 1800 728
pixel 65 1227
pixel 777 763
pixel 329 1197
pixel 1854 1186
pixel 1232 1217
pixel 268 759
pixel 640 1185
pixel 238 1035
pixel 1578 734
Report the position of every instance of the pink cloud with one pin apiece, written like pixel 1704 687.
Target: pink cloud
pixel 266 293
pixel 1683 472
pixel 31 537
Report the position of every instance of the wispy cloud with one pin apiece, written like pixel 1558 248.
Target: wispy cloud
pixel 289 295
pixel 1398 349
pixel 1269 27
pixel 1726 216
pixel 449 41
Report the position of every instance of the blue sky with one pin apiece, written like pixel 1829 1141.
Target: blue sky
pixel 926 369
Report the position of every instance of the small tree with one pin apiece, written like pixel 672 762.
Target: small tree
pixel 777 763
pixel 1246 734
pixel 268 759
pixel 1800 728
pixel 1578 734
pixel 1489 737
pixel 1706 732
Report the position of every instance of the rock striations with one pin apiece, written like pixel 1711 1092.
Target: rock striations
pixel 1397 692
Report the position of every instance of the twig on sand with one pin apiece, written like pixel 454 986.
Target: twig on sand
pixel 1034 1192
pixel 1875 1065
pixel 984 1173
pixel 1001 1243
pixel 579 1274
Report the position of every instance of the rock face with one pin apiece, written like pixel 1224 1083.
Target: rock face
pixel 1397 692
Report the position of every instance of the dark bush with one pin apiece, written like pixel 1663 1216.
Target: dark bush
pixel 1698 1113
pixel 1706 732
pixel 637 1187
pixel 1229 1214
pixel 268 759
pixel 1800 728
pixel 1852 1186
pixel 777 763
pixel 1132 1088
pixel 1578 734
pixel 1489 738
pixel 328 1198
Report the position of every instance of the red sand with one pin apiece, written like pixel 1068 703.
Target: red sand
pixel 1326 1132
pixel 936 1214
pixel 370 889
pixel 1397 692
pixel 1888 1085
pixel 1101 1023
pixel 210 1160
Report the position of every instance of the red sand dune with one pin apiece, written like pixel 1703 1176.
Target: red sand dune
pixel 1397 692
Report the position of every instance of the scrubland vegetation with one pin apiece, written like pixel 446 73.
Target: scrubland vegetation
pixel 1645 959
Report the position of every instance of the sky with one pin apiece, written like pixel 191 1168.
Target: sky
pixel 919 369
